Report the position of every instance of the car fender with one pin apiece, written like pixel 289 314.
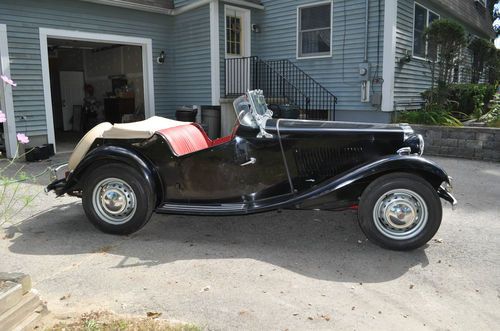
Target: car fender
pixel 348 182
pixel 120 154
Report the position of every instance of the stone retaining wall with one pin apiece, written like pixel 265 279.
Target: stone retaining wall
pixel 465 142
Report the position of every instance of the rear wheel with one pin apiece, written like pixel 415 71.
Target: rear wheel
pixel 117 199
pixel 400 211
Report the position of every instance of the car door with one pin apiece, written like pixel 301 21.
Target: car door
pixel 241 170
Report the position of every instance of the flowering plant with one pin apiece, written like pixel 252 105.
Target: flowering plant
pixel 496 25
pixel 13 197
pixel 496 10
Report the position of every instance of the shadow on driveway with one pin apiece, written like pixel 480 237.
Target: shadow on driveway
pixel 321 245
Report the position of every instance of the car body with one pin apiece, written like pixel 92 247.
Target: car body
pixel 265 164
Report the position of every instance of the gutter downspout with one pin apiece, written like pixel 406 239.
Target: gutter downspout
pixel 367 16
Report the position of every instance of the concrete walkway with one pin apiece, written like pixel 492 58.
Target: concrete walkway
pixel 294 270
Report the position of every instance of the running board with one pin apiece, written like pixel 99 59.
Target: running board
pixel 203 209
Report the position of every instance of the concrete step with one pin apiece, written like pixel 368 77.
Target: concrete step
pixel 10 294
pixel 17 314
pixel 32 321
pixel 17 277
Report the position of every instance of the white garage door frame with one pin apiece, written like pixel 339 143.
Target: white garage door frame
pixel 147 66
pixel 7 103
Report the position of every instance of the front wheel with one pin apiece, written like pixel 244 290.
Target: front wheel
pixel 117 199
pixel 400 211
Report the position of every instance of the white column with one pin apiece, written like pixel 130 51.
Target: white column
pixel 215 51
pixel 7 103
pixel 389 56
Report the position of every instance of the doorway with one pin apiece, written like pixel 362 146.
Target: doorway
pixel 237 49
pixel 93 78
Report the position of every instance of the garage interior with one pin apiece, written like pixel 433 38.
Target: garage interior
pixel 91 83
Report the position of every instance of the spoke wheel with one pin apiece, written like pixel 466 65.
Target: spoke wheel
pixel 400 211
pixel 400 214
pixel 117 198
pixel 114 201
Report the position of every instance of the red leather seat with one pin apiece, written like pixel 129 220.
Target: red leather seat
pixel 186 139
pixel 190 138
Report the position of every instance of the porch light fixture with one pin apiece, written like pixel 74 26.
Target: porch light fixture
pixel 406 58
pixel 255 28
pixel 161 59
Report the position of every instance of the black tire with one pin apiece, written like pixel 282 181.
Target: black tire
pixel 383 235
pixel 142 193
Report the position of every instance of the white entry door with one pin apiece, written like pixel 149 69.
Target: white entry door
pixel 238 52
pixel 72 94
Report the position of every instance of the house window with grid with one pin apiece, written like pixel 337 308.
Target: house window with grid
pixel 314 30
pixel 233 35
pixel 423 18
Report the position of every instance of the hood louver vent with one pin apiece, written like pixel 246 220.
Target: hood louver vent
pixel 326 161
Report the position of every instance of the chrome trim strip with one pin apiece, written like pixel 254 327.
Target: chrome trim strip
pixel 283 155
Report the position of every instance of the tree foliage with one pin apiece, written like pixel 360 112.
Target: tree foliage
pixel 446 39
pixel 482 53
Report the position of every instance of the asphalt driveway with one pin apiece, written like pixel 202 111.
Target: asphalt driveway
pixel 290 270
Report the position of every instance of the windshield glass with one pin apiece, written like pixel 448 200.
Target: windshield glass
pixel 243 111
pixel 251 109
pixel 260 103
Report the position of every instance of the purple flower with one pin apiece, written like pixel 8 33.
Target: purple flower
pixel 22 138
pixel 3 119
pixel 7 80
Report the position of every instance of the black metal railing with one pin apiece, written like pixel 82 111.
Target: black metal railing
pixel 321 99
pixel 282 82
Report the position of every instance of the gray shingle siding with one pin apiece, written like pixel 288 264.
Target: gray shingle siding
pixel 473 15
pixel 412 78
pixel 190 81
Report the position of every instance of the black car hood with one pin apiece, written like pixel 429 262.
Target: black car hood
pixel 307 126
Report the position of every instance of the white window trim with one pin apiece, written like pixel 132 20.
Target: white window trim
pixel 298 31
pixel 147 67
pixel 413 31
pixel 6 99
pixel 246 45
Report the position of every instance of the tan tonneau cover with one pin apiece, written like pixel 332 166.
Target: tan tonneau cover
pixel 135 130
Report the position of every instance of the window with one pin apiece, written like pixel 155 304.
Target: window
pixel 423 18
pixel 314 30
pixel 233 35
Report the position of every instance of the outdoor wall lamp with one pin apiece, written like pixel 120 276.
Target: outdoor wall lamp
pixel 406 58
pixel 161 59
pixel 255 28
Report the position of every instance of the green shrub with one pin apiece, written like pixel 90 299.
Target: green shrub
pixel 431 115
pixel 446 38
pixel 468 99
pixel 492 118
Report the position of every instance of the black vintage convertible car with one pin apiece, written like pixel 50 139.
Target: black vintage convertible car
pixel 125 172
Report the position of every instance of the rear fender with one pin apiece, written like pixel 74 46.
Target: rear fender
pixel 349 186
pixel 108 154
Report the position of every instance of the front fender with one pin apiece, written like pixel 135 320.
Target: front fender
pixel 350 185
pixel 108 154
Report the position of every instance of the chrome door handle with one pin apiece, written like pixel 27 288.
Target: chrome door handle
pixel 252 161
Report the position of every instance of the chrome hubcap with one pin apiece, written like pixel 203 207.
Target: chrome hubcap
pixel 400 214
pixel 114 201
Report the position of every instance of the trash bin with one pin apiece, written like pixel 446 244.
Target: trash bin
pixel 289 111
pixel 186 114
pixel 211 118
